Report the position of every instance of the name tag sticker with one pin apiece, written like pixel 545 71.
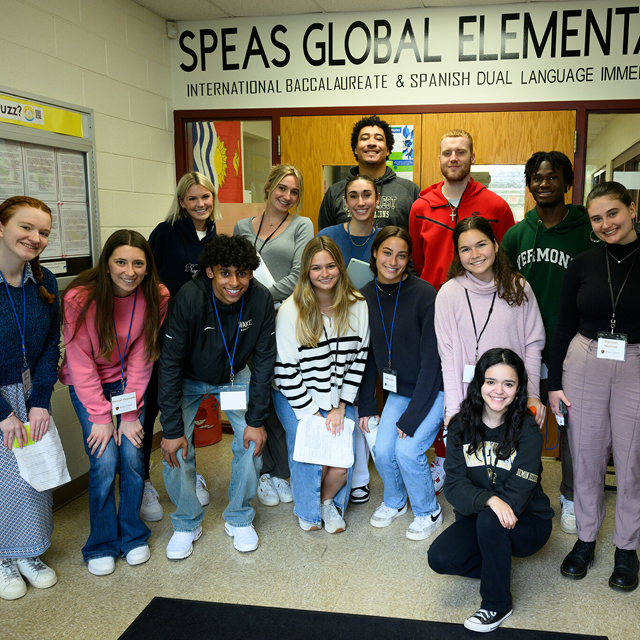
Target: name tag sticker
pixel 467 374
pixel 123 403
pixel 612 346
pixel 390 380
pixel 233 397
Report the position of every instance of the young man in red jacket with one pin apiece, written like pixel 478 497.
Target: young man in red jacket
pixel 439 208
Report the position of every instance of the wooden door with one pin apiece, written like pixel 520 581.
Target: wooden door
pixel 509 137
pixel 310 142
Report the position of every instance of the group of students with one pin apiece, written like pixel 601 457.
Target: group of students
pixel 310 344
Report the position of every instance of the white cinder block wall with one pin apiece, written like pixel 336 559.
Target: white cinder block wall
pixel 113 57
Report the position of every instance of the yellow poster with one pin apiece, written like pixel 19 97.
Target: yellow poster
pixel 39 116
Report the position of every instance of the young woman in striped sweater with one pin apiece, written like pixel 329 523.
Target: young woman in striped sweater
pixel 322 336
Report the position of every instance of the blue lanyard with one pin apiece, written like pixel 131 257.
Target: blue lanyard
pixel 351 243
pixel 392 321
pixel 224 342
pixel 15 313
pixel 126 346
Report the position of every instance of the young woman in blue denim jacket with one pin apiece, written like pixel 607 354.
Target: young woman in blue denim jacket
pixel 405 355
pixel 322 337
pixel 111 321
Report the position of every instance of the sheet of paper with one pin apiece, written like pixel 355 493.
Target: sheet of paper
pixel 43 464
pixel 11 171
pixel 73 185
pixel 54 246
pixel 316 445
pixel 41 172
pixel 75 230
pixel 263 275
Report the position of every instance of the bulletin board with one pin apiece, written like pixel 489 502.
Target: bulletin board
pixel 47 152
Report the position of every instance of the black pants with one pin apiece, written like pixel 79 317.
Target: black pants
pixel 275 460
pixel 150 414
pixel 478 546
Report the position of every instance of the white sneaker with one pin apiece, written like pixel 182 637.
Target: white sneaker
pixel 151 509
pixel 139 555
pixel 333 521
pixel 423 526
pixel 438 474
pixel 244 538
pixel 181 544
pixel 309 526
pixel 37 573
pixel 568 517
pixel 384 516
pixel 267 493
pixel 101 566
pixel 484 621
pixel 12 585
pixel 201 491
pixel 282 488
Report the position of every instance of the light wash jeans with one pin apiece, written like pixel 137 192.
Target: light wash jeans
pixel 113 531
pixel 402 462
pixel 306 478
pixel 180 482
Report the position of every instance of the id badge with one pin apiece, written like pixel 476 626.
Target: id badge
pixel 612 346
pixel 390 380
pixel 468 373
pixel 26 381
pixel 233 397
pixel 123 402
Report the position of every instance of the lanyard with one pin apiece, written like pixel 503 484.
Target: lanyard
pixel 126 345
pixel 614 303
pixel 393 321
pixel 224 342
pixel 15 313
pixel 353 244
pixel 269 237
pixel 473 320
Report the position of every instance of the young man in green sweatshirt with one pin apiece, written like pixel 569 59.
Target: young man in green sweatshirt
pixel 541 247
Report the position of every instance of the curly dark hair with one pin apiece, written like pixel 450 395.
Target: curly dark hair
pixel 229 251
pixel 509 283
pixel 556 159
pixel 471 428
pixel 372 121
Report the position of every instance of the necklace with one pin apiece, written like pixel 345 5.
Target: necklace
pixel 355 244
pixel 390 293
pixel 623 259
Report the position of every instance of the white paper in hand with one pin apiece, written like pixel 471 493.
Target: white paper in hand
pixel 316 445
pixel 43 464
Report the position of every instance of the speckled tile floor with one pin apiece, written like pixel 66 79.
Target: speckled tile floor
pixel 364 570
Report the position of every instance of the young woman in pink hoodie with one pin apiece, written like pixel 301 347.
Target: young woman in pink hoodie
pixel 111 322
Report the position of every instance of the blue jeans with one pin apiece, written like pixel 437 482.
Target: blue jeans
pixel 113 532
pixel 306 478
pixel 402 462
pixel 180 482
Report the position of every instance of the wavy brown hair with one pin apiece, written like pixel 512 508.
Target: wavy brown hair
pixel 97 284
pixel 509 283
pixel 7 210
pixel 310 324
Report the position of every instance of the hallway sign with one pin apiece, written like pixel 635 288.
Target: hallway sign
pixel 508 53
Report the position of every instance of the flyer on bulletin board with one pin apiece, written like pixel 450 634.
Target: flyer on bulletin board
pixel 401 158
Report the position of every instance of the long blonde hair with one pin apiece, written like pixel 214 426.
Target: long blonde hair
pixel 310 324
pixel 277 174
pixel 187 181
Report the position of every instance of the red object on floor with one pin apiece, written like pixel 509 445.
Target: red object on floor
pixel 439 446
pixel 208 428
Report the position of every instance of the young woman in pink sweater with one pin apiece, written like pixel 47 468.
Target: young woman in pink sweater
pixel 484 304
pixel 111 321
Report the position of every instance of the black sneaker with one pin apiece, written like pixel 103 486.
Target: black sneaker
pixel 577 563
pixel 359 495
pixel 484 621
pixel 625 571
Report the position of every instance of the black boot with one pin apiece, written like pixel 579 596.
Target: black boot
pixel 625 571
pixel 577 563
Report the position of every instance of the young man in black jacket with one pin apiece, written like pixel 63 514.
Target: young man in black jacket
pixel 215 323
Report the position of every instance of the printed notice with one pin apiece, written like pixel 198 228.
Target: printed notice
pixel 54 246
pixel 75 230
pixel 316 445
pixel 73 184
pixel 41 172
pixel 11 171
